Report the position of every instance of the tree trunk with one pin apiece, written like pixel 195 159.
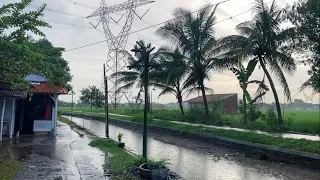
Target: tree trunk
pixel 205 103
pixel 276 98
pixel 244 108
pixel 180 104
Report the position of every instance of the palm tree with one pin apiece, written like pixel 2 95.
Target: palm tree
pixel 194 35
pixel 264 40
pixel 135 76
pixel 243 75
pixel 170 74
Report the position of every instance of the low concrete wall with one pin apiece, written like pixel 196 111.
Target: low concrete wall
pixel 254 150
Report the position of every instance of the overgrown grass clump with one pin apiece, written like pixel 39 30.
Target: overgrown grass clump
pixel 9 169
pixel 121 162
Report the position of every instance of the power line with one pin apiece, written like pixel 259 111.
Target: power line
pixel 224 13
pixel 152 26
pixel 58 12
pixel 79 4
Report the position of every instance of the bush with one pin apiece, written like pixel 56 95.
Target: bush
pixel 270 117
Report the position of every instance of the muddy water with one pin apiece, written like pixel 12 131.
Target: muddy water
pixel 195 165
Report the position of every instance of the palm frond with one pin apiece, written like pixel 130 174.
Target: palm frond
pixel 277 71
pixel 167 90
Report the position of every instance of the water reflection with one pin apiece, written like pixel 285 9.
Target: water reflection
pixel 189 164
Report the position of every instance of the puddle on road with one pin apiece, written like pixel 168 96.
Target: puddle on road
pixel 189 164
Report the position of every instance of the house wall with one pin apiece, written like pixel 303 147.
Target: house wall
pixel 8 109
pixel 231 104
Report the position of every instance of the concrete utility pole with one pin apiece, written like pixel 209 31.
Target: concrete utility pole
pixel 106 104
pixel 145 58
pixel 116 60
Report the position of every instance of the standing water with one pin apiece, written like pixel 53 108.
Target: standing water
pixel 190 164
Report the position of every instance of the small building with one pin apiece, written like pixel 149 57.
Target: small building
pixel 229 102
pixel 36 111
pixel 8 98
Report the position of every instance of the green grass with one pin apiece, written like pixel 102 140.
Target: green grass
pixel 304 121
pixel 8 169
pixel 121 161
pixel 287 143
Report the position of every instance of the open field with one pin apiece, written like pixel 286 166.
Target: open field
pixel 304 121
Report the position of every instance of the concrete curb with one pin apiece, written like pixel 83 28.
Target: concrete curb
pixel 258 151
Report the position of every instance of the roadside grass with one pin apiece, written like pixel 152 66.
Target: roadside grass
pixel 121 162
pixel 8 169
pixel 304 121
pixel 287 143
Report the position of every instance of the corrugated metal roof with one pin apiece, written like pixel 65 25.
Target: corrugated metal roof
pixel 44 87
pixel 210 98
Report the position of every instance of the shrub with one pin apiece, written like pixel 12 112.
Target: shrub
pixel 270 117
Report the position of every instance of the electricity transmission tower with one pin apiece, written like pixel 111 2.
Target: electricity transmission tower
pixel 116 60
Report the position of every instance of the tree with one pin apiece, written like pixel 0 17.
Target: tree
pixel 264 40
pixel 93 96
pixel 20 55
pixel 170 74
pixel 243 75
pixel 134 76
pixel 306 17
pixel 194 35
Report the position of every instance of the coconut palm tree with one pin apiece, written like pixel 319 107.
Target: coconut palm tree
pixel 135 76
pixel 170 74
pixel 194 35
pixel 263 39
pixel 243 74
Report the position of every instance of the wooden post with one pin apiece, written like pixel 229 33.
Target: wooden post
pixel 2 116
pixel 13 115
pixel 106 104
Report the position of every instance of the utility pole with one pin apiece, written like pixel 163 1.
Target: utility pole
pixel 106 104
pixel 72 103
pixel 145 58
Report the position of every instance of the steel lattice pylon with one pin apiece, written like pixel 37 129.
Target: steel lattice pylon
pixel 116 61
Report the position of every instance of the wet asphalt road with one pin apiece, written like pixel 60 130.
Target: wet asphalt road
pixel 67 156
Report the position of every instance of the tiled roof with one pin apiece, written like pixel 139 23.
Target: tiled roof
pixel 44 87
pixel 210 98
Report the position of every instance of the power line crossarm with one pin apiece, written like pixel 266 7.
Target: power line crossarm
pixel 119 7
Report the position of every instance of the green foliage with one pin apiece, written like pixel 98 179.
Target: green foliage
pixel 136 74
pixel 305 121
pixel 93 96
pixel 263 39
pixel 20 55
pixel 153 164
pixel 270 117
pixel 140 117
pixel 170 74
pixel 121 161
pixel 194 35
pixel 306 17
pixel 9 169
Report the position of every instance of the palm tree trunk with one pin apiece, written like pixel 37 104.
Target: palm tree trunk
pixel 180 104
pixel 205 103
pixel 274 91
pixel 244 109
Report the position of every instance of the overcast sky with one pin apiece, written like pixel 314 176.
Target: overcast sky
pixel 70 31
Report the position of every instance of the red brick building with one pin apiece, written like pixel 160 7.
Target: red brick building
pixel 229 101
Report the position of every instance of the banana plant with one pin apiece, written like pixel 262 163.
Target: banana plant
pixel 243 74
